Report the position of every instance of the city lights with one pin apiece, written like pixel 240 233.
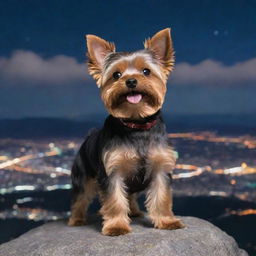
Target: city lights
pixel 207 165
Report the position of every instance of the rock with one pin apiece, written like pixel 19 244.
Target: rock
pixel 199 238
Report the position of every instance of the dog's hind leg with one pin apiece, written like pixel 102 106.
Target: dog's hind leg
pixel 134 207
pixel 81 202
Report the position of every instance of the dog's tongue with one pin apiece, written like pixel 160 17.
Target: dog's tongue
pixel 134 99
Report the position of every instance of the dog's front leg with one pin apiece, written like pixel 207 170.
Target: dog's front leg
pixel 159 196
pixel 118 163
pixel 159 203
pixel 115 208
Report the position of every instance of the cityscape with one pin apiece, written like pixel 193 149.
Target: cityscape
pixel 36 172
pixel 207 165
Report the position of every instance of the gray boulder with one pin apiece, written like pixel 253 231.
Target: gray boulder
pixel 199 238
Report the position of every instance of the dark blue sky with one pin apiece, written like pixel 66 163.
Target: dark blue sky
pixel 58 27
pixel 220 32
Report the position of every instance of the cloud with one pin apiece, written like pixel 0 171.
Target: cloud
pixel 29 67
pixel 209 72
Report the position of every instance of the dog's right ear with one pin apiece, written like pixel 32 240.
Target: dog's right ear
pixel 98 49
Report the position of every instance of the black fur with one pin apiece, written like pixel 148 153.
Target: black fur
pixel 88 162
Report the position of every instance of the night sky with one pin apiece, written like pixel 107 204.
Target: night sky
pixel 42 53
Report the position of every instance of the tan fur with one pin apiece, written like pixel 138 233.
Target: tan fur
pixel 115 209
pixel 165 55
pixel 138 63
pixel 153 86
pixel 98 49
pixel 159 198
pixel 121 66
pixel 159 204
pixel 80 206
pixel 120 159
pixel 161 158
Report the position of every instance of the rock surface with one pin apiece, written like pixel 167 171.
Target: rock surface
pixel 199 238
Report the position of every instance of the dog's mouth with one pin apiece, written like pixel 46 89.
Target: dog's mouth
pixel 134 97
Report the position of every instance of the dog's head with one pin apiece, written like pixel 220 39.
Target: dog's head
pixel 133 85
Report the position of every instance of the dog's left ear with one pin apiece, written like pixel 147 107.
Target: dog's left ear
pixel 162 48
pixel 98 49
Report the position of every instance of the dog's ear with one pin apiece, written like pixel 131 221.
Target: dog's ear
pixel 162 48
pixel 98 49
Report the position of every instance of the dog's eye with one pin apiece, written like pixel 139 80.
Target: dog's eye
pixel 146 71
pixel 117 75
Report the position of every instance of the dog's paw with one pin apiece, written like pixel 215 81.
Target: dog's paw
pixel 116 230
pixel 76 222
pixel 169 223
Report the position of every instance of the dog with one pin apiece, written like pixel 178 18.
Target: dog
pixel 131 153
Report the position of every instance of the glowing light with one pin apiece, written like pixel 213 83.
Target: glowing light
pixel 244 169
pixel 54 187
pixel 71 145
pixel 196 171
pixel 62 170
pixel 218 193
pixel 51 145
pixel 34 214
pixel 28 157
pixel 24 200
pixel 24 187
pixel 244 212
pixel 3 158
pixel 233 170
pixel 246 141
pixel 233 182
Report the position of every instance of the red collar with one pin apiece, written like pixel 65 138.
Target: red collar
pixel 138 126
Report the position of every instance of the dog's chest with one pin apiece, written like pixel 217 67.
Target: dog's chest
pixel 138 161
pixel 138 180
pixel 157 158
pixel 136 155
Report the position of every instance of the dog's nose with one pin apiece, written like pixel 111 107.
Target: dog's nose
pixel 131 83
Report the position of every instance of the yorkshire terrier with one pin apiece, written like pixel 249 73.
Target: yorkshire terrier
pixel 131 153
